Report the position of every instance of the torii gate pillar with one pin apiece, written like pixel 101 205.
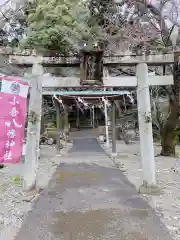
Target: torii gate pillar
pixel 33 130
pixel 145 126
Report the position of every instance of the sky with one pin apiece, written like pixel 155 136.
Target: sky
pixel 2 2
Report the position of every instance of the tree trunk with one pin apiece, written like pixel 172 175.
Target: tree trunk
pixel 168 131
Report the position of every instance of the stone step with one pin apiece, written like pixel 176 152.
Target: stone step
pixel 85 124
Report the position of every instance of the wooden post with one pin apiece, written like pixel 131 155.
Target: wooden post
pixel 106 123
pixel 66 123
pixel 58 126
pixel 145 125
pixel 93 116
pixel 90 113
pixel 33 129
pixel 42 118
pixel 77 119
pixel 114 152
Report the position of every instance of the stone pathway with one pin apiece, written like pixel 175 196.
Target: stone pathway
pixel 88 198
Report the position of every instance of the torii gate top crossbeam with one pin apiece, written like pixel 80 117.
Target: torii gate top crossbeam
pixel 124 60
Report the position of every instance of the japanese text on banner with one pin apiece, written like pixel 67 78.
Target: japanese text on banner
pixel 13 98
pixel 11 125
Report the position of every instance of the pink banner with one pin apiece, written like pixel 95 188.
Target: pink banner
pixel 13 98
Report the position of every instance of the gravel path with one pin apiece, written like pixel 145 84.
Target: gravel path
pixel 167 203
pixel 13 208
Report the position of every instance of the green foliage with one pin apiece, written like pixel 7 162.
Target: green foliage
pixel 101 10
pixel 16 180
pixel 56 24
pixel 102 13
pixel 32 117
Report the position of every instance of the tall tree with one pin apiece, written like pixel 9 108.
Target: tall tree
pixel 56 24
pixel 119 23
pixel 163 15
pixel 141 24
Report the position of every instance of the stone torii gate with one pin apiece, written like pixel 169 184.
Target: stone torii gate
pixel 142 81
